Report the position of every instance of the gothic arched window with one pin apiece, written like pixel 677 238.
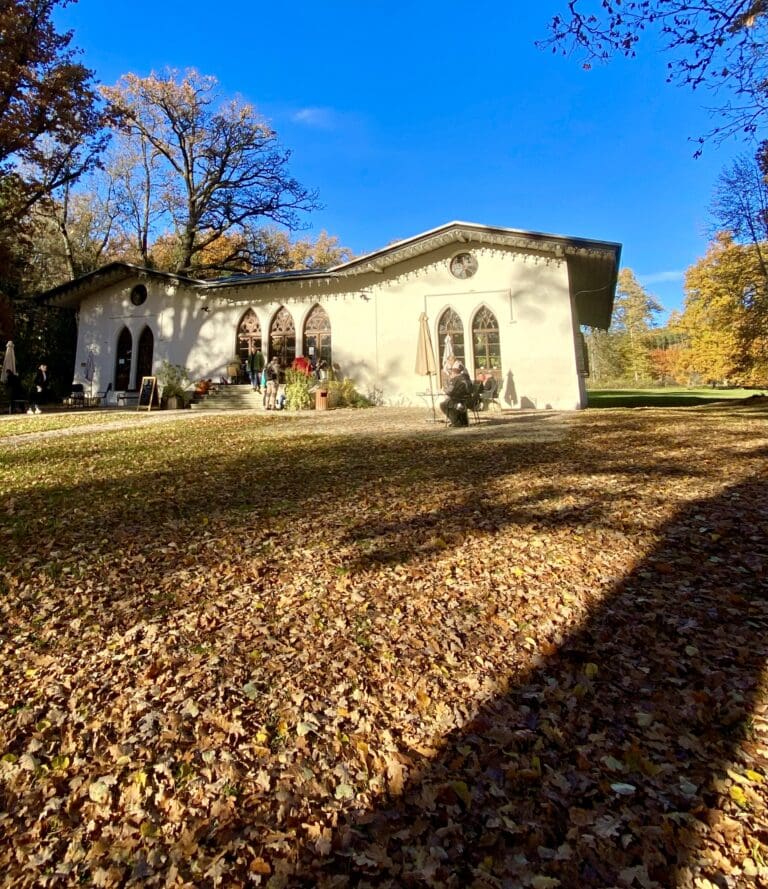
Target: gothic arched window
pixel 450 333
pixel 282 337
pixel 248 335
pixel 486 344
pixel 317 336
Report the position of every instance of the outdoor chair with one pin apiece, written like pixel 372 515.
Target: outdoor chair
pixel 102 396
pixel 475 401
pixel 490 395
pixel 77 395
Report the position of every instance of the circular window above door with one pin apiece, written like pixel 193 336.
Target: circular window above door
pixel 139 295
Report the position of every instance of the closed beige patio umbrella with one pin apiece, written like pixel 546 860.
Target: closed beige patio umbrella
pixel 9 362
pixel 425 356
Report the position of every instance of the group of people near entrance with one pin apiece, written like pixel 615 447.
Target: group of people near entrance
pixel 269 376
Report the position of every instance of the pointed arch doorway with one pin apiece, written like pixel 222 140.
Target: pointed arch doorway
pixel 145 354
pixel 123 360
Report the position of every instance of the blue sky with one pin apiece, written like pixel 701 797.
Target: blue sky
pixel 408 115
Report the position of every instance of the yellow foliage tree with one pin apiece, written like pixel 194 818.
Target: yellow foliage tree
pixel 724 321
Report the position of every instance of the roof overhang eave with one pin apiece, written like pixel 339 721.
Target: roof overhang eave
pixel 71 293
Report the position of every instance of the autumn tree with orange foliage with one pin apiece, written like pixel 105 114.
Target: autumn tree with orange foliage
pixel 219 166
pixel 259 251
pixel 51 123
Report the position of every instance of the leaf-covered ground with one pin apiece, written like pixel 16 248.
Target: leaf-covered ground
pixel 356 648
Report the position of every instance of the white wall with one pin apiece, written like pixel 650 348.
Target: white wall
pixel 374 322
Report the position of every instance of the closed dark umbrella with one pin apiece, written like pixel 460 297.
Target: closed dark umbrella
pixel 90 370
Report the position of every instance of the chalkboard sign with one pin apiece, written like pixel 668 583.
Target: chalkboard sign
pixel 147 393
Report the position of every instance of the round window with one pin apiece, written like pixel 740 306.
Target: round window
pixel 463 265
pixel 139 295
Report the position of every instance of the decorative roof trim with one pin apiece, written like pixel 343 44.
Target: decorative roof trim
pixel 107 274
pixel 465 233
pixel 470 232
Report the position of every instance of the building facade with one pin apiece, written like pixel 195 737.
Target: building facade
pixel 506 302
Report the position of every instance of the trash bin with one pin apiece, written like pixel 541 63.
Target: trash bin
pixel 321 400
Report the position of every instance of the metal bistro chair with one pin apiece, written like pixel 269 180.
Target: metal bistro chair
pixel 490 395
pixel 77 395
pixel 101 396
pixel 475 401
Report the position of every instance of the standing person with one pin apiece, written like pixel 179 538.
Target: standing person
pixel 273 381
pixel 39 390
pixel 263 378
pixel 255 368
pixel 458 389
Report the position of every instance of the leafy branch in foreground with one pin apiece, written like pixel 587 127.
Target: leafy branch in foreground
pixel 718 45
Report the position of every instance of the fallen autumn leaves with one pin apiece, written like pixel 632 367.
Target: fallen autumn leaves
pixel 355 650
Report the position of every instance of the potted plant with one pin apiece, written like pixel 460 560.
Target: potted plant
pixel 174 379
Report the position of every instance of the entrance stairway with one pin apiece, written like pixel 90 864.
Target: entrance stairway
pixel 231 398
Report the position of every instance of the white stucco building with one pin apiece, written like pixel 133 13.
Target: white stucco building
pixel 511 301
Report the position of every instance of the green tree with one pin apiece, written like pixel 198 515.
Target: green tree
pixel 217 167
pixel 718 45
pixel 634 311
pixel 606 361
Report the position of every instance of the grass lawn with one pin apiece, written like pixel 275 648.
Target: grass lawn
pixel 667 397
pixel 356 648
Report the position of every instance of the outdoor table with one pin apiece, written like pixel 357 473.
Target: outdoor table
pixel 429 400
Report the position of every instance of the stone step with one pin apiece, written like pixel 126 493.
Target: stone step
pixel 231 398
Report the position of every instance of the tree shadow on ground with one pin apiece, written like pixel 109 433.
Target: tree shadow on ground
pixel 604 764
pixel 600 764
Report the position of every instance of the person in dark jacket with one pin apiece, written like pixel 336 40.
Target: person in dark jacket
pixel 255 367
pixel 457 389
pixel 39 390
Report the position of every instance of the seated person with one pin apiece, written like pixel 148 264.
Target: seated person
pixel 458 389
pixel 489 387
pixel 490 391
